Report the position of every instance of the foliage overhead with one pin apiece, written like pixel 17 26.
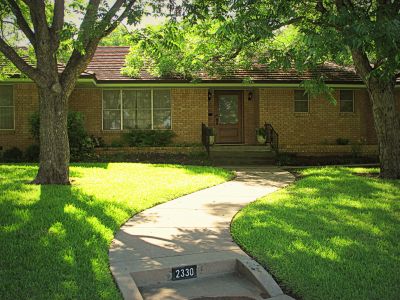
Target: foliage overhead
pixel 217 36
pixel 75 23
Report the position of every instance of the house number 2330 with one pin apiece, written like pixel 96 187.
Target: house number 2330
pixel 185 272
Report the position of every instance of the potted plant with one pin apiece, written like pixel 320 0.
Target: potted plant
pixel 211 136
pixel 261 134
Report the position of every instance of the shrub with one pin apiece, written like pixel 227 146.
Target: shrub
pixel 80 144
pixel 117 143
pixel 12 155
pixel 152 138
pixel 98 141
pixel 32 153
pixel 284 159
pixel 342 141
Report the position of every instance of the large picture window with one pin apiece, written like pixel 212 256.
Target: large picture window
pixel 301 103
pixel 346 101
pixel 136 109
pixel 6 107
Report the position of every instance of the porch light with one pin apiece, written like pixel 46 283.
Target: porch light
pixel 250 96
pixel 209 96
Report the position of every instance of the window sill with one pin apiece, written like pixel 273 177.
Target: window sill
pixel 301 114
pixel 7 131
pixel 347 114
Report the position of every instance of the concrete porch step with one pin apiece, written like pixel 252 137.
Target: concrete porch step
pixel 240 148
pixel 242 155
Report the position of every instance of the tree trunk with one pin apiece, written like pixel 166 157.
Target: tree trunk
pixel 387 126
pixel 54 145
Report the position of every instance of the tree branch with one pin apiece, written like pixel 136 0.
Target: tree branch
pixel 57 24
pixel 58 16
pixel 120 18
pixel 361 63
pixel 111 13
pixel 88 21
pixel 20 63
pixel 22 23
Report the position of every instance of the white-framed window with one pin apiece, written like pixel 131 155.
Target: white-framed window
pixel 125 109
pixel 301 101
pixel 7 108
pixel 346 101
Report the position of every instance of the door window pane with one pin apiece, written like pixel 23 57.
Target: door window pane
pixel 228 109
pixel 6 107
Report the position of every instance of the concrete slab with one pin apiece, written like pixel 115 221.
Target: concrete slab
pixel 194 230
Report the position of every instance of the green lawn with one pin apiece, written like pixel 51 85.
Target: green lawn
pixel 54 239
pixel 330 235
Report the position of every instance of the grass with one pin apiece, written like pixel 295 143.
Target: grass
pixel 54 240
pixel 330 235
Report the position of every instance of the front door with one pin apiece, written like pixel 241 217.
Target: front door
pixel 228 112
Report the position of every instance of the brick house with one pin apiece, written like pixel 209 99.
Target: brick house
pixel 113 103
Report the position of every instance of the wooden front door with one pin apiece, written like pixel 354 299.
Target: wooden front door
pixel 228 113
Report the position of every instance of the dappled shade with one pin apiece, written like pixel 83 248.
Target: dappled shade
pixel 332 235
pixel 54 239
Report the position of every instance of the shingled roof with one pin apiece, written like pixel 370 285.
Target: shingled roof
pixel 108 61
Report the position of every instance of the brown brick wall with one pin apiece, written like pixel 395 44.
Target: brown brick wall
pixel 25 102
pixel 190 107
pixel 323 124
pixel 189 110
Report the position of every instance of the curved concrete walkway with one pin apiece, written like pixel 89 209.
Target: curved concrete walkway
pixel 190 230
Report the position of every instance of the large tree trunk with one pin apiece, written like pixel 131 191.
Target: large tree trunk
pixel 54 145
pixel 387 126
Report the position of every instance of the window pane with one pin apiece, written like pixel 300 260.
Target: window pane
pixel 6 95
pixel 346 106
pixel 112 120
pixel 300 95
pixel 6 118
pixel 346 95
pixel 143 120
pixel 301 106
pixel 111 100
pixel 162 119
pixel 129 99
pixel 143 99
pixel 228 109
pixel 161 99
pixel 129 117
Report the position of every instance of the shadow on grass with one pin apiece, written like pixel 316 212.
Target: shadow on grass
pixel 332 235
pixel 55 246
pixel 54 239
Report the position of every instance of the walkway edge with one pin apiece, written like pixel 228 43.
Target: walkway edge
pixel 194 230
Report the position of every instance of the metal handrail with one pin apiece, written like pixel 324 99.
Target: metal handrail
pixel 205 137
pixel 272 137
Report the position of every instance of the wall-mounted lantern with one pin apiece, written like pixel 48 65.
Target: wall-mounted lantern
pixel 210 95
pixel 250 96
